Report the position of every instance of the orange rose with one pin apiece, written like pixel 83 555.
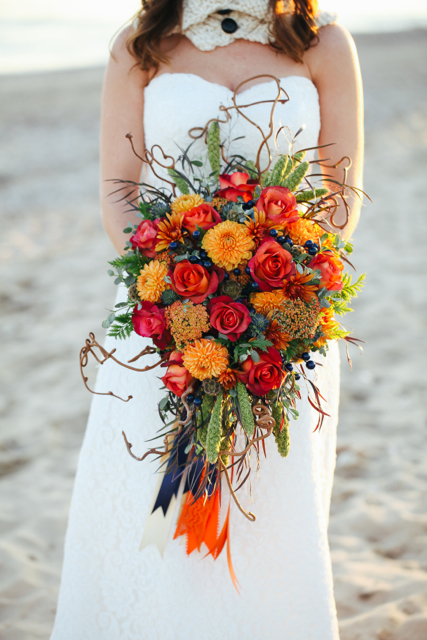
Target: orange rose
pixel 279 205
pixel 177 379
pixel 204 216
pixel 194 281
pixel 271 265
pixel 330 268
pixel 236 184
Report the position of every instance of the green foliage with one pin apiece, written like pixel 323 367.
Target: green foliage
pixel 180 182
pixel 265 178
pixel 242 350
pixel 214 435
pixel 248 422
pixel 132 262
pixel 122 327
pixel 339 299
pixel 214 147
pixel 293 181
pixel 309 194
pixel 251 169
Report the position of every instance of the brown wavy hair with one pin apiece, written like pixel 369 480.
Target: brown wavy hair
pixel 292 32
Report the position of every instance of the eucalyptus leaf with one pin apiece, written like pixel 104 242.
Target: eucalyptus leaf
pixel 197 163
pixel 106 324
pixel 119 305
pixel 110 272
pixel 128 230
pixel 223 336
pixel 111 317
pixel 117 280
pixel 129 280
pixel 255 356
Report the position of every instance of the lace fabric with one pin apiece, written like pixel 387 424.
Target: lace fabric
pixel 110 590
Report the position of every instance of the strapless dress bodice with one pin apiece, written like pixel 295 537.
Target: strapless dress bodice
pixel 174 103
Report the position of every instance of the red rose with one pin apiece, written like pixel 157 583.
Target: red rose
pixel 177 378
pixel 194 281
pixel 149 322
pixel 145 238
pixel 236 184
pixel 229 317
pixel 260 377
pixel 330 268
pixel 279 205
pixel 204 216
pixel 271 265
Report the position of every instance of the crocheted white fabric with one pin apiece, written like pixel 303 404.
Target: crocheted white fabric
pixel 202 23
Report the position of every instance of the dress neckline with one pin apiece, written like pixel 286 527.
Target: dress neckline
pixel 226 89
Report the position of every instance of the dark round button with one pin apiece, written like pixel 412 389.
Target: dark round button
pixel 229 25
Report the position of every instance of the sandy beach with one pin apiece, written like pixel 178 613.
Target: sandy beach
pixel 54 290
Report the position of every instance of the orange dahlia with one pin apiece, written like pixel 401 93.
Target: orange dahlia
pixel 228 379
pixel 266 301
pixel 151 283
pixel 205 359
pixel 298 286
pixel 186 202
pixel 303 230
pixel 228 244
pixel 169 230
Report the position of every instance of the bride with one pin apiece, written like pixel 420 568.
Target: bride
pixel 170 71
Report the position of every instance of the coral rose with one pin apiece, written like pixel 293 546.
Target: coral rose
pixel 145 238
pixel 229 317
pixel 271 265
pixel 149 322
pixel 330 268
pixel 236 184
pixel 279 205
pixel 204 216
pixel 194 281
pixel 260 377
pixel 177 378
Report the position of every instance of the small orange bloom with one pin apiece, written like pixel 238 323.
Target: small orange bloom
pixel 170 230
pixel 186 202
pixel 266 301
pixel 151 283
pixel 228 379
pixel 298 287
pixel 228 244
pixel 328 325
pixel 303 230
pixel 258 228
pixel 277 336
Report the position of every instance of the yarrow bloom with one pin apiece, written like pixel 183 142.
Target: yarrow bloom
pixel 186 202
pixel 205 359
pixel 297 318
pixel 228 244
pixel 151 283
pixel 187 322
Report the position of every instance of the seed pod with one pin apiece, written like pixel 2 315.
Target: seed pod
pixel 214 150
pixel 214 435
pixel 248 422
pixel 293 181
pixel 282 437
pixel 211 387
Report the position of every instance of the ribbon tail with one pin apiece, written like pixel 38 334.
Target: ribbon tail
pixel 230 564
pixel 158 525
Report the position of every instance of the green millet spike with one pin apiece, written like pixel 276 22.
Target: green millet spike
pixel 205 410
pixel 297 176
pixel 282 437
pixel 248 422
pixel 280 172
pixel 180 182
pixel 214 434
pixel 214 144
pixel 309 194
pixel 299 156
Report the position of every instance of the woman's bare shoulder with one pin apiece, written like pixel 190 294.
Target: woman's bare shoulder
pixel 334 51
pixel 122 59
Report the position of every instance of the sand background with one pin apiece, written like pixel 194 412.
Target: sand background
pixel 54 289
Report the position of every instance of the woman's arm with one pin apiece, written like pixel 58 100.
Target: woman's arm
pixel 122 113
pixel 334 66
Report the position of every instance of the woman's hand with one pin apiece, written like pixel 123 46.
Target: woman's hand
pixel 122 113
pixel 335 71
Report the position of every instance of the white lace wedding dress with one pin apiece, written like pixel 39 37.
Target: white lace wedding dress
pixel 112 591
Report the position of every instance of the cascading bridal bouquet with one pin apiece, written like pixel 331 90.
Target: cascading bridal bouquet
pixel 238 281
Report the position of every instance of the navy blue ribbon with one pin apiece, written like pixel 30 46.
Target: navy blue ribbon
pixel 173 475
